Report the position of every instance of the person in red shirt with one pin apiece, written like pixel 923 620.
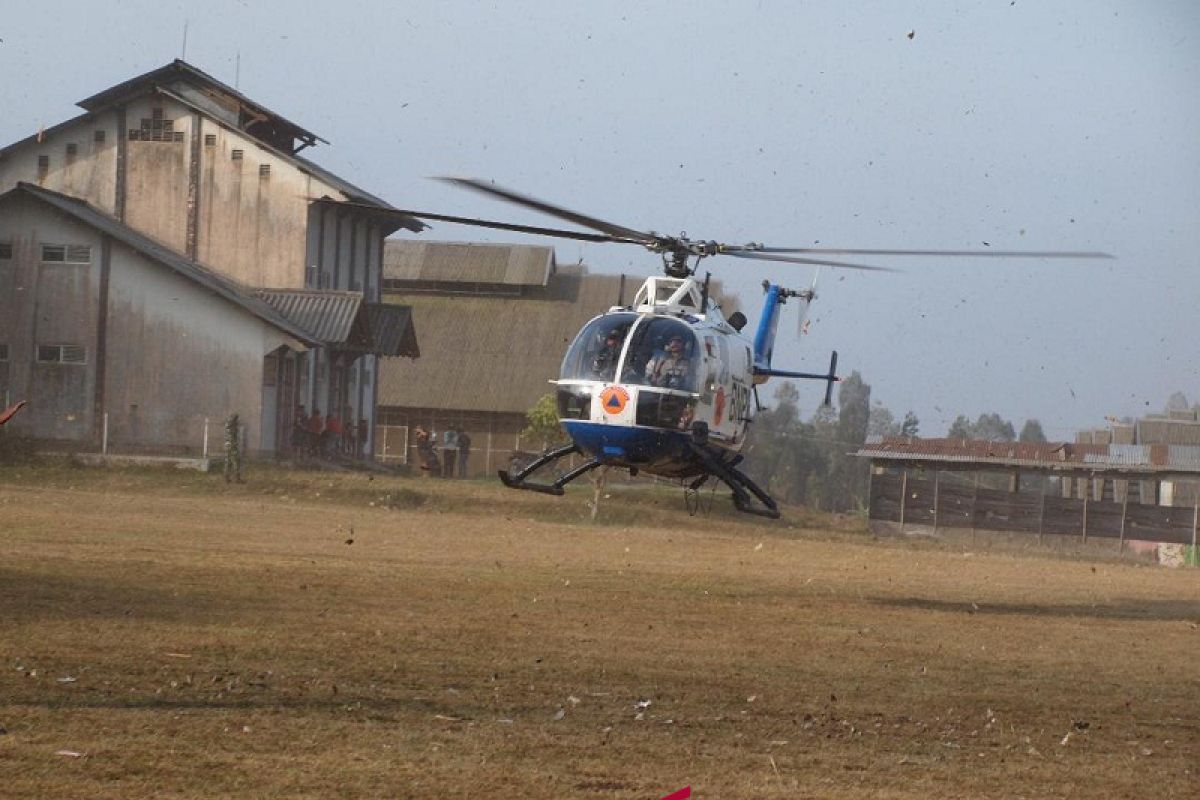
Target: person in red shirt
pixel 332 435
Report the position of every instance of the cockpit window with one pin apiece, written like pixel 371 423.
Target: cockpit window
pixel 594 354
pixel 662 352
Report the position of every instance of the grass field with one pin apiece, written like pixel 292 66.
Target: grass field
pixel 309 635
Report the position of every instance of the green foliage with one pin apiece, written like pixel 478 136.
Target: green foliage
pixel 1031 431
pixel 543 429
pixel 882 422
pixel 989 427
pixel 783 453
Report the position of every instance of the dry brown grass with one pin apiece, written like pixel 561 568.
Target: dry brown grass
pixel 230 642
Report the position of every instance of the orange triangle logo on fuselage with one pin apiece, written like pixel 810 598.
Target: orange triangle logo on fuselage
pixel 614 399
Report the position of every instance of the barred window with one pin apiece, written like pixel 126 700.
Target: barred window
pixel 98 136
pixel 264 170
pixel 6 251
pixel 66 253
pixel 43 166
pixel 210 140
pixel 61 354
pixel 236 155
pixel 156 128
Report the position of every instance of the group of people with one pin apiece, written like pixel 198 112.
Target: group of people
pixel 318 435
pixel 446 458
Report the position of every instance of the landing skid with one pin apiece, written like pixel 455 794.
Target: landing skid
pixel 518 481
pixel 745 490
pixel 748 497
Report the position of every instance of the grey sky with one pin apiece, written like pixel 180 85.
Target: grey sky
pixel 1027 125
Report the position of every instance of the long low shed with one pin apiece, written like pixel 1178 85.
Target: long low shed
pixel 921 482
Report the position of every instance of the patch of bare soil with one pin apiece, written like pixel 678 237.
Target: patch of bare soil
pixel 203 642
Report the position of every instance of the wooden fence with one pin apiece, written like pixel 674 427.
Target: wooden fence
pixel 938 503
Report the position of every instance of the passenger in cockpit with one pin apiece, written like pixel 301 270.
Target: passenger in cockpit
pixel 604 365
pixel 669 369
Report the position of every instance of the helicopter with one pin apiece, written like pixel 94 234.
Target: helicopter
pixel 667 385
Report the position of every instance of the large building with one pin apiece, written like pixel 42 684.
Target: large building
pixel 168 256
pixel 495 321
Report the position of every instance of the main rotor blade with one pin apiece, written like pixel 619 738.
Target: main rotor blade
pixel 487 223
pixel 619 231
pixel 820 262
pixel 832 251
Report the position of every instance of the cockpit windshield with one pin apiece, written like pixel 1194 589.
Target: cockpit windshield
pixel 594 354
pixel 662 353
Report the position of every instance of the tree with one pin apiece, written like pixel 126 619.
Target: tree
pixel 543 427
pixel 989 427
pixel 961 428
pixel 992 428
pixel 910 425
pixel 847 483
pixel 1177 402
pixel 1031 431
pixel 782 453
pixel 882 422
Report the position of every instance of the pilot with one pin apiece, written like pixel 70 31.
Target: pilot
pixel 670 369
pixel 605 362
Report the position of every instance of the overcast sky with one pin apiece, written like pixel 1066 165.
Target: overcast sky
pixel 1025 125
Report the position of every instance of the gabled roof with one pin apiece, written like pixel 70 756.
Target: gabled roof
pixel 201 92
pixel 462 262
pixel 208 279
pixel 217 98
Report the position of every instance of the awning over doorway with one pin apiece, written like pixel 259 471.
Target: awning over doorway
pixel 344 321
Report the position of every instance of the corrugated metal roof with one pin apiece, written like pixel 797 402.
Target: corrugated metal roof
pixel 327 315
pixel 1147 458
pixel 1127 454
pixel 392 331
pixel 461 262
pixel 235 293
pixel 1183 455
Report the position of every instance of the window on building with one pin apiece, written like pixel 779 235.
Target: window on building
pixel 61 354
pixel 236 155
pixel 43 166
pixel 3 353
pixel 66 253
pixel 72 151
pixel 98 136
pixel 210 140
pixel 264 170
pixel 156 128
pixel 6 250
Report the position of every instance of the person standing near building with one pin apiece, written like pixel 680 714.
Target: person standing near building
pixel 299 438
pixel 464 452
pixel 233 449
pixel 449 452
pixel 316 426
pixel 332 445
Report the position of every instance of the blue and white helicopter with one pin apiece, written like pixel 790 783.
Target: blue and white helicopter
pixel 666 385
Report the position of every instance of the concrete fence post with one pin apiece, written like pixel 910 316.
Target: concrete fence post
pixel 204 447
pixel 104 436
